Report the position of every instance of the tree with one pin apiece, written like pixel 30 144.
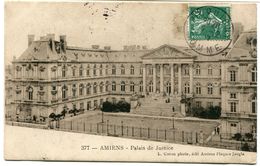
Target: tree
pixel 214 112
pixel 237 136
pixel 123 106
pixel 108 107
pixel 52 116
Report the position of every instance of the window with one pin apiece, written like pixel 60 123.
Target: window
pixel 113 70
pixel 106 69
pixel 101 85
pixel 30 93
pixel 107 86
pixel 132 70
pixel 74 89
pixel 186 70
pixel 88 88
pixel 186 88
pixel 94 70
pixel 87 71
pixel 95 88
pixel 150 71
pixel 101 70
pixel 254 74
pixel 233 107
pixel 64 92
pixel 81 89
pixel 233 124
pixel 254 104
pixel 132 87
pixel 141 86
pixel 197 70
pixel 209 104
pixel 73 71
pixel 198 88
pixel 63 71
pixel 81 71
pixel 113 86
pixel 141 71
pixel 198 104
pixel 122 69
pixel 209 70
pixel 210 88
pixel 150 86
pixel 122 86
pixel 232 76
pixel 233 95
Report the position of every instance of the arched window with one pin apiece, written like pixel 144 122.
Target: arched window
pixel 198 88
pixel 168 88
pixel 95 88
pixel 64 71
pixel 113 86
pixel 87 70
pixel 209 70
pixel 132 70
pixel 94 70
pixel 122 69
pixel 141 86
pixel 113 70
pixel 150 86
pixel 107 86
pixel 101 85
pixel 74 90
pixel 64 92
pixel 88 89
pixel 30 93
pixel 186 88
pixel 101 70
pixel 81 89
pixel 210 88
pixel 254 74
pixel 132 86
pixel 122 86
pixel 197 70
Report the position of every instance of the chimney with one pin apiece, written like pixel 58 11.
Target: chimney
pixel 107 48
pixel 95 46
pixel 63 43
pixel 30 39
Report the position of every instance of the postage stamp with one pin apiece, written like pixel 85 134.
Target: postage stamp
pixel 208 29
pixel 209 23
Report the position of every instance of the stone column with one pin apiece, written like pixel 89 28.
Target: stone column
pixel 154 78
pixel 161 78
pixel 191 78
pixel 172 79
pixel 179 79
pixel 144 79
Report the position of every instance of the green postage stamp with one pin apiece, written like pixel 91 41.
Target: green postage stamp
pixel 209 23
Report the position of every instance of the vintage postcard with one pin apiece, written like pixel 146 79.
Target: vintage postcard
pixel 131 81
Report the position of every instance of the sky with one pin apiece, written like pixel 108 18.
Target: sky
pixel 104 23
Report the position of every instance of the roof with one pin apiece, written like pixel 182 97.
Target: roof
pixel 244 46
pixel 39 50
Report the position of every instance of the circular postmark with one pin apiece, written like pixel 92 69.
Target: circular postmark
pixel 208 29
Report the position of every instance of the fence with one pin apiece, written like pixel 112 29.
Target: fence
pixel 167 135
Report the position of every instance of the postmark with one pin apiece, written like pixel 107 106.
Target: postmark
pixel 208 29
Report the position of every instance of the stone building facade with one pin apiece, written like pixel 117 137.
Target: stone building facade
pixel 51 76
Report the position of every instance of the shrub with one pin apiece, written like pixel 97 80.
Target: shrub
pixel 214 112
pixel 121 106
pixel 249 136
pixel 237 136
pixel 245 147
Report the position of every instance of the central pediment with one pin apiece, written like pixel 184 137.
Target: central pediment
pixel 168 52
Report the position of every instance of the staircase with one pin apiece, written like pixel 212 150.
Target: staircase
pixel 157 106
